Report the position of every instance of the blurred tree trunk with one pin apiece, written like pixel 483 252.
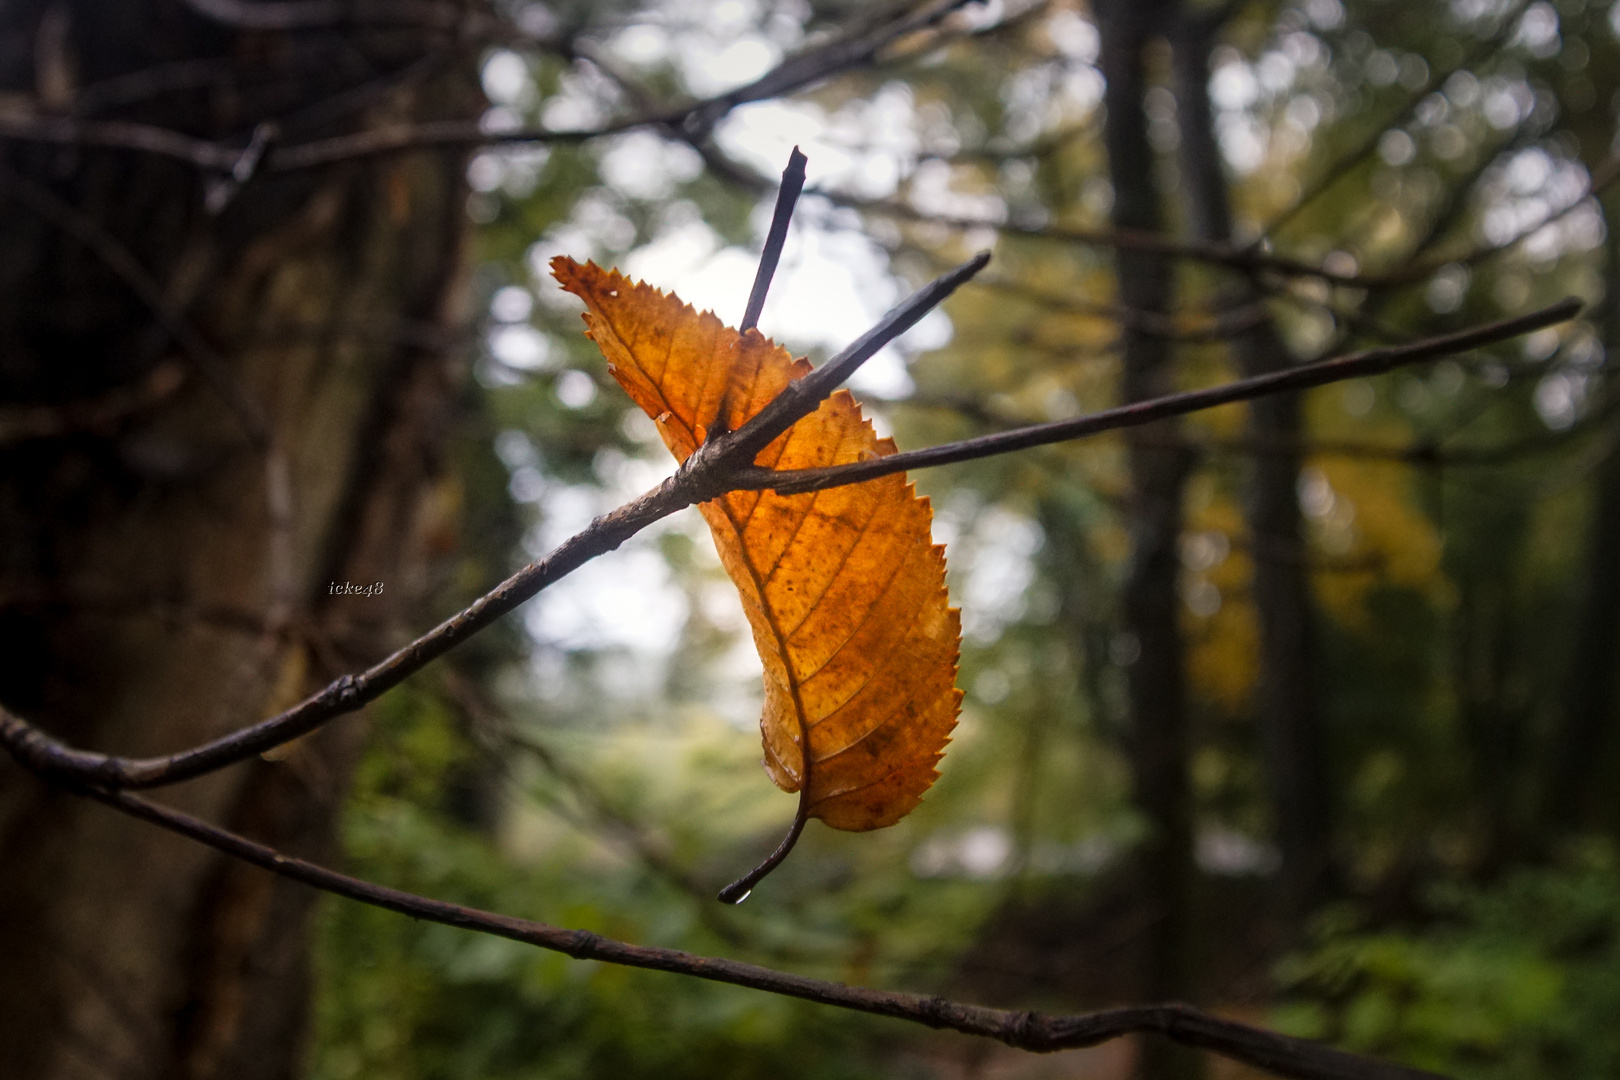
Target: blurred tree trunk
pixel 1152 609
pixel 1586 742
pixel 1290 721
pixel 1585 737
pixel 152 591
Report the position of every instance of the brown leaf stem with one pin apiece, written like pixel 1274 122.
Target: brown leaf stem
pixel 738 890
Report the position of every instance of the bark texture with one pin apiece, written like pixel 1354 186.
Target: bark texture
pixel 160 584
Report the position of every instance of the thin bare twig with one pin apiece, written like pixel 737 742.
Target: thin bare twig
pixel 1239 258
pixel 797 72
pixel 1252 258
pixel 1038 1032
pixel 221 190
pixel 693 121
pixel 1356 365
pixel 398 138
pixel 801 398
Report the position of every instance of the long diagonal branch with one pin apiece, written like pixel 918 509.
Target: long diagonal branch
pixel 1038 1032
pixel 724 464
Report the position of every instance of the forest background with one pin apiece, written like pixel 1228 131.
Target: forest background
pixel 1302 711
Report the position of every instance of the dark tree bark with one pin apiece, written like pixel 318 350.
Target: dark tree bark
pixel 1159 741
pixel 211 416
pixel 1286 703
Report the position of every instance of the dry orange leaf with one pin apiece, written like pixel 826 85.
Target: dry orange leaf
pixel 844 588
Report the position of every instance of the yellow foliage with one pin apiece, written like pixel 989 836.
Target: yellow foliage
pixel 1374 529
pixel 1223 649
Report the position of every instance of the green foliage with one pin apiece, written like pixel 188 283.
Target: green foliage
pixel 1518 979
